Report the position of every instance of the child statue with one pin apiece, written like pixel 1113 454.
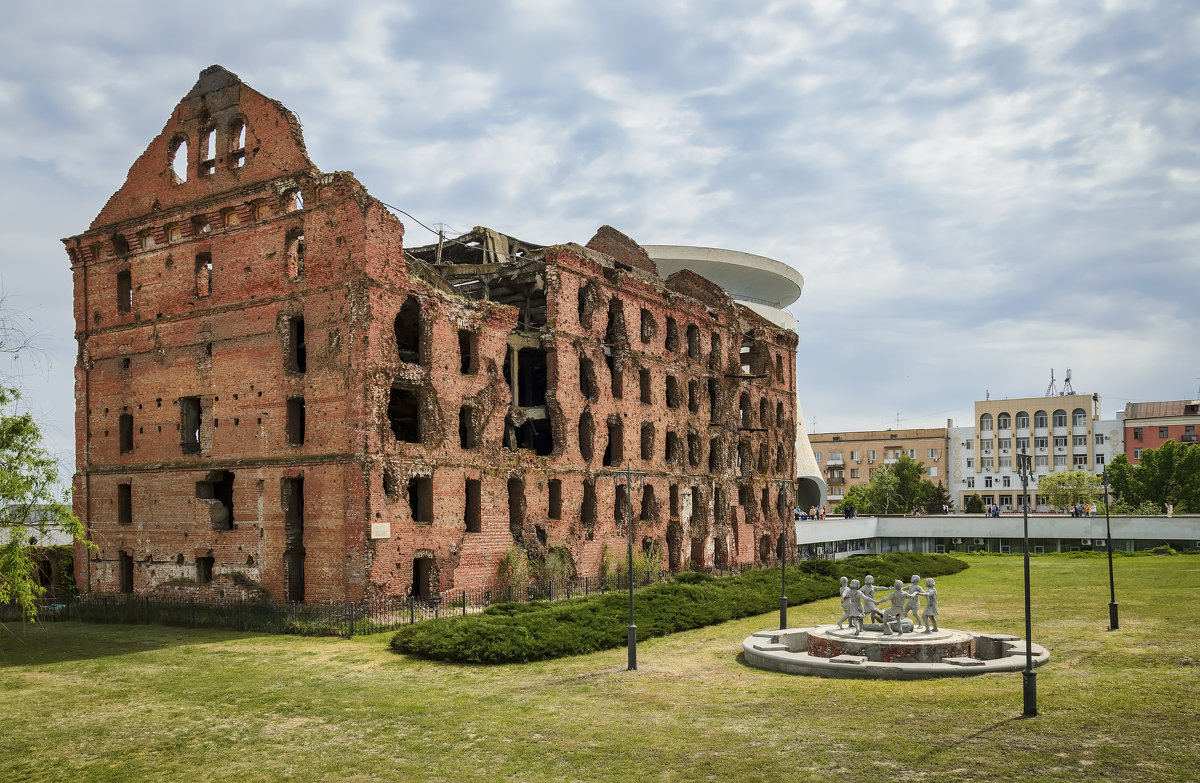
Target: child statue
pixel 855 597
pixel 843 591
pixel 931 608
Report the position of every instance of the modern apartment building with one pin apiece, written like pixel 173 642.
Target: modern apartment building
pixel 1150 424
pixel 848 459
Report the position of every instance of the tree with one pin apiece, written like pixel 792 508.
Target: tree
pixel 1063 488
pixel 973 504
pixel 1169 473
pixel 897 489
pixel 32 504
pixel 937 497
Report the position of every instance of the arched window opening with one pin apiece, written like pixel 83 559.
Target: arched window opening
pixel 693 341
pixel 744 410
pixel 1041 420
pixel 714 352
pixel 178 158
pixel 985 422
pixel 208 152
pixel 648 505
pixel 1060 418
pixel 1079 417
pixel 407 328
pixel 294 253
pixel 293 201
pixel 1003 422
pixel 1023 420
pixel 204 269
pixel 237 143
pixel 587 436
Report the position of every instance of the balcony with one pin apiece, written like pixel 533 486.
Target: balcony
pixel 835 461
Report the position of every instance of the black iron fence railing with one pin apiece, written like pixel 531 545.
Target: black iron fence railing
pixel 323 619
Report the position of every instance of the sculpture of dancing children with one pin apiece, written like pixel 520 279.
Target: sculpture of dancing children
pixel 844 591
pixel 913 602
pixel 931 610
pixel 855 597
pixel 896 610
pixel 870 611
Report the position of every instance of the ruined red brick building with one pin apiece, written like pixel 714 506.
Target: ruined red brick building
pixel 272 390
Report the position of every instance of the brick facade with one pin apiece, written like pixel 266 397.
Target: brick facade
pixel 273 392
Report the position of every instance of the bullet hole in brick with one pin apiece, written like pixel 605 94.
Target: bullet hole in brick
pixel 217 490
pixel 235 396
pixel 295 421
pixel 420 499
pixel 250 560
pixel 125 362
pixel 407 328
pixel 471 512
pixel 158 402
pixel 554 499
pixel 297 351
pixel 124 504
pixel 124 291
pixel 403 413
pixel 587 436
pixel 587 511
pixel 516 508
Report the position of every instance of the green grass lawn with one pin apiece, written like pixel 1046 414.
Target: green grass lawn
pixel 132 703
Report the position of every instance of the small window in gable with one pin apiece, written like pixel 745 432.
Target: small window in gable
pixel 293 201
pixel 178 159
pixel 237 143
pixel 203 274
pixel 294 252
pixel 124 291
pixel 208 154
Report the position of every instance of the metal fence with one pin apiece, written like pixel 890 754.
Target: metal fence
pixel 321 619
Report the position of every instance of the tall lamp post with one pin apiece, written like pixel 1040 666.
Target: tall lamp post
pixel 631 477
pixel 1113 623
pixel 1025 468
pixel 784 485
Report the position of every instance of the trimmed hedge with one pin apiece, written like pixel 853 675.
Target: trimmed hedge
pixel 512 632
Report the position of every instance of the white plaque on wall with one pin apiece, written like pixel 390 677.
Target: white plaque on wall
pixel 381 530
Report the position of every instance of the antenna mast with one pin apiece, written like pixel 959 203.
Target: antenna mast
pixel 1067 384
pixel 1051 390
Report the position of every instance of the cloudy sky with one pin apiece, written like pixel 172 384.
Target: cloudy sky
pixel 975 192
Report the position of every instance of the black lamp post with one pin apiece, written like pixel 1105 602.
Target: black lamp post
pixel 1113 623
pixel 784 484
pixel 631 476
pixel 1025 467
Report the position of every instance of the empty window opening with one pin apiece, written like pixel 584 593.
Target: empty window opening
pixel 467 352
pixel 720 512
pixel 672 449
pixel 466 427
pixel 204 270
pixel 587 436
pixel 587 511
pixel 779 367
pixel 693 341
pixel 764 412
pixel 208 152
pixel 179 158
pixel 745 496
pixel 237 143
pixel 621 507
pixel 124 292
pixel 644 384
pixel 714 455
pixel 585 308
pixel 713 399
pixel 618 378
pixel 614 331
pixel 554 499
pixel 697 556
pixel 614 452
pixel 764 504
pixel 420 499
pixel 292 499
pixel 120 244
pixel 714 352
pixel 647 442
pixel 472 515
pixel 672 340
pixel 532 435
pixel 200 225
pixel 672 391
pixel 126 426
pixel 125 572
pixel 587 379
pixel 422 586
pixel 516 508
pixel 204 570
pixel 293 201
pixel 693 441
pixel 647 326
pixel 781 505
pixel 297 351
pixel 403 413
pixel 529 384
pixel 649 508
pixel 779 421
pixel 744 410
pixel 764 461
pixel 124 504
pixel 391 484
pixel 189 427
pixel 764 549
pixel 693 397
pixel 745 457
pixel 293 247
pixel 780 459
pixel 217 489
pixel 674 546
pixel 408 331
pixel 673 501
pixel 295 421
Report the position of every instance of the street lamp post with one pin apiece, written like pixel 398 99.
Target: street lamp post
pixel 1113 623
pixel 784 484
pixel 1029 676
pixel 631 477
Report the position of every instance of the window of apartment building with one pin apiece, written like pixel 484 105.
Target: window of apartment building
pixel 1189 429
pixel 1005 463
pixel 912 453
pixel 872 455
pixel 933 454
pixel 970 462
pixel 987 482
pixel 856 455
pixel 1098 439
pixel 817 456
pixel 1023 445
pixel 1080 461
pixel 1079 417
pixel 931 471
pixel 1022 420
pixel 853 473
pixel 985 422
pixel 1137 453
pixel 970 482
pixel 1060 418
pixel 1099 459
pixel 1003 422
pixel 1041 442
pixel 1079 440
pixel 969 443
pixel 1040 419
pixel 295 421
pixel 1060 460
pixel 986 463
pixel 1060 441
pixel 1041 461
pixel 1162 432
pixel 1006 443
pixel 1137 433
pixel 1006 481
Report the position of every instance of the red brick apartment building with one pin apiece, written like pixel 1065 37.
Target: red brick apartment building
pixel 1149 425
pixel 273 391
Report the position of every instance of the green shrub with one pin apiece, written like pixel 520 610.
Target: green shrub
pixel 512 632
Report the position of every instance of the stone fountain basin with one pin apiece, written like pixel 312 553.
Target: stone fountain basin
pixel 825 651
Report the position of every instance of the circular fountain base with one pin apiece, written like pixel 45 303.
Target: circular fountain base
pixel 826 651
